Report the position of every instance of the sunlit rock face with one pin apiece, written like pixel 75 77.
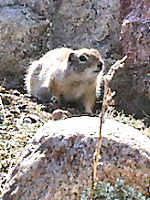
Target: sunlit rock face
pixel 30 28
pixel 132 83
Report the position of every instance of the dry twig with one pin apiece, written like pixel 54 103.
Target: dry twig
pixel 106 102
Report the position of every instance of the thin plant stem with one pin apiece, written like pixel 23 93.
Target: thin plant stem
pixel 106 101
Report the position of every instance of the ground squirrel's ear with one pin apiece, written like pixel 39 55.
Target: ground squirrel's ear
pixel 72 57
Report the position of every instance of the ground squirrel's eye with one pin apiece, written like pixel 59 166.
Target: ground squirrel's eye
pixel 83 58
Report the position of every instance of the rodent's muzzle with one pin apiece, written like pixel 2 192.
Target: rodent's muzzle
pixel 99 67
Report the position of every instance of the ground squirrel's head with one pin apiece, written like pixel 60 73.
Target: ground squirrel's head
pixel 87 61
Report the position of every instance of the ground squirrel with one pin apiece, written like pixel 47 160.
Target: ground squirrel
pixel 68 75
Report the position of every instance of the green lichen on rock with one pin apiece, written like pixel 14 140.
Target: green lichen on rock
pixel 107 191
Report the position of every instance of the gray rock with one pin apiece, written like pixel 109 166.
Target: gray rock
pixel 6 3
pixel 21 32
pixel 30 28
pixel 87 24
pixel 57 163
pixel 132 82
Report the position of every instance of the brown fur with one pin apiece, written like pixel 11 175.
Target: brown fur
pixel 67 73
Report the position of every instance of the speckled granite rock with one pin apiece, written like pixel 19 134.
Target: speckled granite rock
pixel 30 28
pixel 21 31
pixel 58 161
pixel 132 83
pixel 84 23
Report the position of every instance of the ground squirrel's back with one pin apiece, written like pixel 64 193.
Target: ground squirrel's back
pixel 69 75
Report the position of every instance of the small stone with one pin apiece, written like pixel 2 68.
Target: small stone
pixel 27 95
pixel 16 92
pixel 27 120
pixel 15 112
pixel 6 100
pixel 22 107
pixel 60 114
pixel 3 132
pixel 33 118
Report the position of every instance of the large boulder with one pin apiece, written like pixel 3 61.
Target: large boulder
pixel 132 82
pixel 21 32
pixel 30 28
pixel 57 164
pixel 84 23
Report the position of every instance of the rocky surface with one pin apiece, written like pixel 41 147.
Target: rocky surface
pixel 20 117
pixel 30 28
pixel 57 163
pixel 132 82
pixel 21 33
pixel 87 24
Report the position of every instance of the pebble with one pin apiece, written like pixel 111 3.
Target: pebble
pixel 3 132
pixel 60 114
pixel 27 120
pixel 31 118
